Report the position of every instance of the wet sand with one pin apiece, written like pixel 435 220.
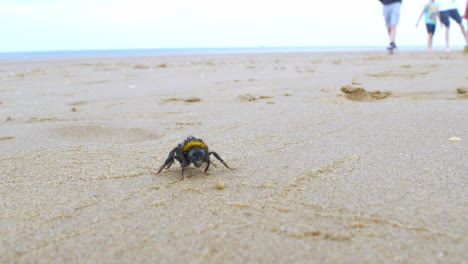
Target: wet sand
pixel 338 157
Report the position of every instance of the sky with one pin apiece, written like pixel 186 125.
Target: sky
pixel 57 25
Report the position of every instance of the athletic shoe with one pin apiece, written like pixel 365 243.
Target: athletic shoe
pixel 391 48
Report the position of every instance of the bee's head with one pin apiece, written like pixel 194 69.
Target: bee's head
pixel 197 156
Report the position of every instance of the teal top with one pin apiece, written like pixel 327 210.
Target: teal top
pixel 430 13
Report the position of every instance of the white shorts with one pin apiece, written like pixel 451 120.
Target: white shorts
pixel 391 13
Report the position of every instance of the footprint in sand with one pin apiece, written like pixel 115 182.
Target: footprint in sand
pixel 6 138
pixel 141 67
pixel 75 104
pixel 185 100
pixel 78 103
pixel 188 123
pixel 360 94
pixel 251 98
pixel 463 91
pixel 406 74
pixel 103 134
pixel 32 73
pixel 247 98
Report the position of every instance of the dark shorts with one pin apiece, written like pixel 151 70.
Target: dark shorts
pixel 430 28
pixel 447 14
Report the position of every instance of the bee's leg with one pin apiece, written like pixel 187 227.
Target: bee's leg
pixel 170 159
pixel 166 164
pixel 207 165
pixel 220 159
pixel 182 173
pixel 170 164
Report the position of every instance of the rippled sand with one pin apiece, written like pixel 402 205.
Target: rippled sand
pixel 338 157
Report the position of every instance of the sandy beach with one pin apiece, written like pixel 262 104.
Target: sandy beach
pixel 354 157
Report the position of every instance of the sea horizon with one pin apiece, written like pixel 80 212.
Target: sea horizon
pixel 23 55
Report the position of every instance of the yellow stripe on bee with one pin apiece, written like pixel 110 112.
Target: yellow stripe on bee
pixel 194 144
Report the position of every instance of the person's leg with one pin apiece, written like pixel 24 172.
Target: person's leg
pixel 445 19
pixel 387 12
pixel 464 33
pixel 429 41
pixel 392 19
pixel 466 17
pixel 395 18
pixel 447 44
pixel 430 34
pixel 455 15
pixel 391 37
pixel 392 33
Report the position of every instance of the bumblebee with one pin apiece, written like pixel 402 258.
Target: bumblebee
pixel 191 151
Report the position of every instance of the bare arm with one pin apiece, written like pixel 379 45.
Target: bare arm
pixel 419 19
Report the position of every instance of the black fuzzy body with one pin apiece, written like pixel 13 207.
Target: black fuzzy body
pixel 191 151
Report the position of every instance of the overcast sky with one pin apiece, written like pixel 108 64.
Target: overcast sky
pixel 44 25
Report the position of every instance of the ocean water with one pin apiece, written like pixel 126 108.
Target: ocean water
pixel 178 51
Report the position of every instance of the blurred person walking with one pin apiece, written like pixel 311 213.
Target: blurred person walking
pixel 448 9
pixel 391 12
pixel 431 14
